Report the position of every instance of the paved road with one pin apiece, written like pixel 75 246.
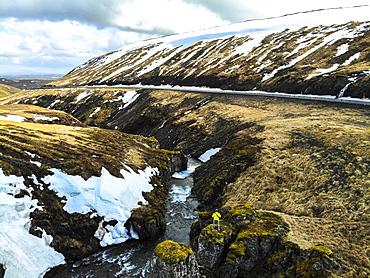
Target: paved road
pixel 327 98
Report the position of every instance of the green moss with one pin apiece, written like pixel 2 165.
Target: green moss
pixel 205 214
pixel 311 268
pixel 242 211
pixel 236 249
pixel 215 236
pixel 326 252
pixel 172 252
pixel 276 256
pixel 268 223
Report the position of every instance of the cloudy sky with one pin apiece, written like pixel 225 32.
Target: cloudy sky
pixel 54 36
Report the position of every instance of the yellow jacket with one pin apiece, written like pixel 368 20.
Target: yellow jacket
pixel 216 215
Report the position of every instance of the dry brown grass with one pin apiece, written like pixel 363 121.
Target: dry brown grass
pixel 313 167
pixel 322 189
pixel 6 90
pixel 77 150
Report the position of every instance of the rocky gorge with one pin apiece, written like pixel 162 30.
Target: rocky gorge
pixel 303 167
pixel 86 160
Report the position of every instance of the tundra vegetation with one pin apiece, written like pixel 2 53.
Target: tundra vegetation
pixel 308 162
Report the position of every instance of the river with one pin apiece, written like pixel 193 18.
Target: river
pixel 132 258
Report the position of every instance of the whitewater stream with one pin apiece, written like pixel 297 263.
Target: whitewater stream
pixel 132 258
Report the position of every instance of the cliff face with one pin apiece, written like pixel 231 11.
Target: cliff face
pixel 321 53
pixel 253 243
pixel 248 243
pixel 172 259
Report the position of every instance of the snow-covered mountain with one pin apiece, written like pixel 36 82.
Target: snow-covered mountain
pixel 318 52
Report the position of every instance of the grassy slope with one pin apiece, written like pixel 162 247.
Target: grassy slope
pixel 6 90
pixel 78 150
pixel 313 166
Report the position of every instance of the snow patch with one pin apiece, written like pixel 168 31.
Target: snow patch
pixel 109 196
pixel 82 96
pixel 207 155
pixel 95 111
pixel 22 254
pixel 323 71
pixel 342 49
pixel 44 118
pixel 12 118
pixel 352 58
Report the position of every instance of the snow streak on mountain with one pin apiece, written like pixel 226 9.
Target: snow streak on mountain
pixel 318 52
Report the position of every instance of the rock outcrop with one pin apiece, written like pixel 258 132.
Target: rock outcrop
pixel 254 244
pixel 174 260
pixel 2 271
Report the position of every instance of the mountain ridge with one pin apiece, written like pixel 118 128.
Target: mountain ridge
pixel 321 52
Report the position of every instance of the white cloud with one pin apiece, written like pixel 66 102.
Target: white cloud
pixel 169 17
pixel 59 35
pixel 59 45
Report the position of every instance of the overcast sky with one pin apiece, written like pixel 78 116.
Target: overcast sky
pixel 54 36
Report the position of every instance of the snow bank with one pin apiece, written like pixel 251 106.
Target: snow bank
pixel 44 118
pixel 12 118
pixel 192 165
pixel 25 255
pixel 108 195
pixel 207 155
pixel 22 254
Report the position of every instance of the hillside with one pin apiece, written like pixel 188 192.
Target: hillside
pixel 323 52
pixel 26 83
pixel 6 90
pixel 67 189
pixel 307 161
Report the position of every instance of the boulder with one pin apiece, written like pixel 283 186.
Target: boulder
pixel 147 222
pixel 172 259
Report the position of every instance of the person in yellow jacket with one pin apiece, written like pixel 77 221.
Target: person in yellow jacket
pixel 216 216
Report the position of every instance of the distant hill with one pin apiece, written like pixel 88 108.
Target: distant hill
pixel 27 83
pixel 6 90
pixel 324 52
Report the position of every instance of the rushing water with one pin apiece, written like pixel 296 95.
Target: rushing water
pixel 132 258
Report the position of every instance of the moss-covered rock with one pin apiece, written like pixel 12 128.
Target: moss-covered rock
pixel 212 244
pixel 172 252
pixel 254 243
pixel 147 222
pixel 172 259
pixel 240 213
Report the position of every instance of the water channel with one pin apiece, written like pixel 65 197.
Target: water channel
pixel 132 258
